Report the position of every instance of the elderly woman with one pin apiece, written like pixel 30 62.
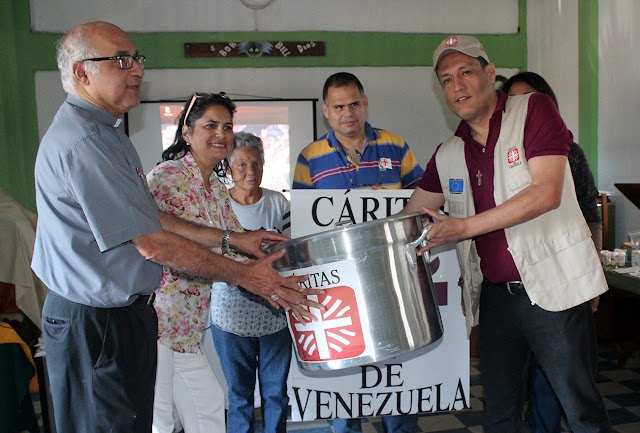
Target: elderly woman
pixel 255 207
pixel 249 335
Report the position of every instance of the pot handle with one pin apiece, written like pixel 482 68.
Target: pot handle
pixel 411 247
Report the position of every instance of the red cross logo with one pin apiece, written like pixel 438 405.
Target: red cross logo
pixel 451 42
pixel 513 155
pixel 337 334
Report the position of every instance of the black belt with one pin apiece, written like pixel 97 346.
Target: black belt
pixel 145 299
pixel 513 287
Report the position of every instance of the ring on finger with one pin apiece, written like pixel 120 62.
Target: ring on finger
pixel 275 297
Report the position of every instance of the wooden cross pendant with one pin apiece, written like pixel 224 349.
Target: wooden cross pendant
pixel 479 177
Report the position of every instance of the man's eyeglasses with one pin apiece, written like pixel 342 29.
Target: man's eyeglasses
pixel 125 60
pixel 195 96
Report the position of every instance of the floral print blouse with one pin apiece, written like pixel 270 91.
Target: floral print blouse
pixel 182 302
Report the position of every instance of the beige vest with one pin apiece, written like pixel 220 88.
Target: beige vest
pixel 554 253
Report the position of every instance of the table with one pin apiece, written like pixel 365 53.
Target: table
pixel 623 281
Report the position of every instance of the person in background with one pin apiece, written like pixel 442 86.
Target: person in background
pixel 101 241
pixel 353 154
pixel 356 155
pixel 528 264
pixel 546 411
pixel 255 207
pixel 249 335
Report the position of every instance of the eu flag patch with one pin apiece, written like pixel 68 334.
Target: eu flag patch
pixel 456 186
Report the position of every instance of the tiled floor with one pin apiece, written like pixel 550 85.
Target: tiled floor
pixel 620 388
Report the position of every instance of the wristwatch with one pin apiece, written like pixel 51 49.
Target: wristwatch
pixel 225 241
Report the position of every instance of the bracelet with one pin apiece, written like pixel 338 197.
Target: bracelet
pixel 225 241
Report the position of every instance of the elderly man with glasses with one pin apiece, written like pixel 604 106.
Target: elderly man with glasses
pixel 101 241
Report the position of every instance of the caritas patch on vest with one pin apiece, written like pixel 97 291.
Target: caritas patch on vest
pixel 513 157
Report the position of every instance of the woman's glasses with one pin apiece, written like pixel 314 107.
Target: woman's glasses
pixel 219 96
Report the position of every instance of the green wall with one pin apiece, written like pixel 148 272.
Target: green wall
pixel 588 94
pixel 25 52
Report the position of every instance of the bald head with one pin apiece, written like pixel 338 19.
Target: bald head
pixel 82 42
pixel 99 63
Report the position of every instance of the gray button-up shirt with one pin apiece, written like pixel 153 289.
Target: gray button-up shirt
pixel 92 201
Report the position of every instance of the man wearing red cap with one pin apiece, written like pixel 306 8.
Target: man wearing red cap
pixel 528 263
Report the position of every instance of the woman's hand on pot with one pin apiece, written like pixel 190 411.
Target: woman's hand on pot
pixel 300 303
pixel 305 308
pixel 251 242
pixel 302 313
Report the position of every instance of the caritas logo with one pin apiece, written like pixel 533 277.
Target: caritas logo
pixel 338 332
pixel 513 155
pixel 451 42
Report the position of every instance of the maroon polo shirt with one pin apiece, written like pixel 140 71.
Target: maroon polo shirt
pixel 544 134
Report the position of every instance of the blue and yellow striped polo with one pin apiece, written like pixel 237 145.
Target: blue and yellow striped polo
pixel 386 160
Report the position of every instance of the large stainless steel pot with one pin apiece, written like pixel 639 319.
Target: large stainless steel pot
pixel 379 296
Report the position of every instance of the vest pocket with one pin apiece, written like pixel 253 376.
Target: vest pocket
pixel 553 245
pixel 518 180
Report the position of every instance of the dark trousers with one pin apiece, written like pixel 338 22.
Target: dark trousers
pixel 101 364
pixel 546 411
pixel 565 345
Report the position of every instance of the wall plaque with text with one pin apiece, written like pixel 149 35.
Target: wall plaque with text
pixel 254 49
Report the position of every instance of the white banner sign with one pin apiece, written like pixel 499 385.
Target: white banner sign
pixel 432 379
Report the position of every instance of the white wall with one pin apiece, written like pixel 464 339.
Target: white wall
pixel 552 34
pixel 404 100
pixel 619 147
pixel 428 16
pixel 552 42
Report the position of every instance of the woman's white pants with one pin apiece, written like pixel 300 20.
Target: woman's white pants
pixel 186 388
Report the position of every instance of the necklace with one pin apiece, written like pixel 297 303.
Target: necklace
pixel 479 172
pixel 481 140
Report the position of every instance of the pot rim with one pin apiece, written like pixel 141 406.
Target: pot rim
pixel 338 230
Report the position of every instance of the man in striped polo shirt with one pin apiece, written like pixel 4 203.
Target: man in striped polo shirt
pixel 354 154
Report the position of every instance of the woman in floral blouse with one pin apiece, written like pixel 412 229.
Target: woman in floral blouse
pixel 186 185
